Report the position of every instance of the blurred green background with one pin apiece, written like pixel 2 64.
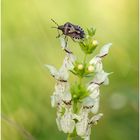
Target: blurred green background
pixel 28 42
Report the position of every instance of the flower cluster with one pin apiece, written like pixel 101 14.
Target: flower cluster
pixel 78 104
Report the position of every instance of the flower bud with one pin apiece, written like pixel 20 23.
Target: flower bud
pixel 80 66
pixel 90 68
pixel 95 42
pixel 91 31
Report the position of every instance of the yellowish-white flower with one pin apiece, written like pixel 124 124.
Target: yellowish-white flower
pixel 67 123
pixel 69 60
pixel 95 119
pixel 63 42
pixel 104 50
pixel 61 74
pixel 95 107
pixel 90 68
pixel 80 66
pixel 101 77
pixel 97 60
pixel 95 42
pixel 92 101
pixel 68 118
pixel 81 126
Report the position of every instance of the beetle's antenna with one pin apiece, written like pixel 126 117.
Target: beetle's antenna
pixel 55 22
pixel 56 28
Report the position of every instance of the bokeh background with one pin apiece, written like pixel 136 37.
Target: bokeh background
pixel 28 42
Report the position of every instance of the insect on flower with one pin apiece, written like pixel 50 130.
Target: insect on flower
pixel 71 30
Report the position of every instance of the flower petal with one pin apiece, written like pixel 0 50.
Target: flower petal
pixel 63 42
pixel 104 50
pixel 58 123
pixel 53 101
pixel 100 77
pixel 94 90
pixel 88 102
pixel 63 74
pixel 67 97
pixel 67 123
pixel 96 61
pixel 81 126
pixel 52 70
pixel 95 108
pixel 95 118
pixel 68 61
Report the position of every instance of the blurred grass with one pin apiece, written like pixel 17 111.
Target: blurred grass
pixel 28 42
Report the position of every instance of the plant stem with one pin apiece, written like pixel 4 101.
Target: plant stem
pixel 85 58
pixel 69 137
pixel 84 62
pixel 80 80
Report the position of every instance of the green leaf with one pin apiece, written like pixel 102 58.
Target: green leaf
pixel 91 31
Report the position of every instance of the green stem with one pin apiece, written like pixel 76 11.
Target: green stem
pixel 69 137
pixel 80 80
pixel 85 59
pixel 84 62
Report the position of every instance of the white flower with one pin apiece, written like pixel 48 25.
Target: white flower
pixel 61 87
pixel 67 98
pixel 88 132
pixel 63 42
pixel 95 107
pixel 61 94
pixel 93 88
pixel 97 60
pixel 67 122
pixel 101 77
pixel 95 42
pixel 58 123
pixel 61 75
pixel 88 102
pixel 52 69
pixel 69 61
pixel 59 115
pixel 92 101
pixel 91 104
pixel 104 50
pixel 89 123
pixel 95 119
pixel 81 126
pixel 80 66
pixel 56 99
pixel 90 68
pixel 53 101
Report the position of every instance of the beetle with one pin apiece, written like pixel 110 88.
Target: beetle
pixel 71 30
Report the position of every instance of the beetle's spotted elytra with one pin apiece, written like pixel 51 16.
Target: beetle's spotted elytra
pixel 71 30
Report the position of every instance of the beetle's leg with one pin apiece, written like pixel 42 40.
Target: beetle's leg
pixel 73 39
pixel 59 34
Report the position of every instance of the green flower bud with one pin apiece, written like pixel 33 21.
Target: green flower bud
pixel 80 66
pixel 91 31
pixel 95 42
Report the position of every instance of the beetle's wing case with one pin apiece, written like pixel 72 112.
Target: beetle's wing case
pixel 68 28
pixel 79 32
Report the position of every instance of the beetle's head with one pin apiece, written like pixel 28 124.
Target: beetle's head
pixel 61 27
